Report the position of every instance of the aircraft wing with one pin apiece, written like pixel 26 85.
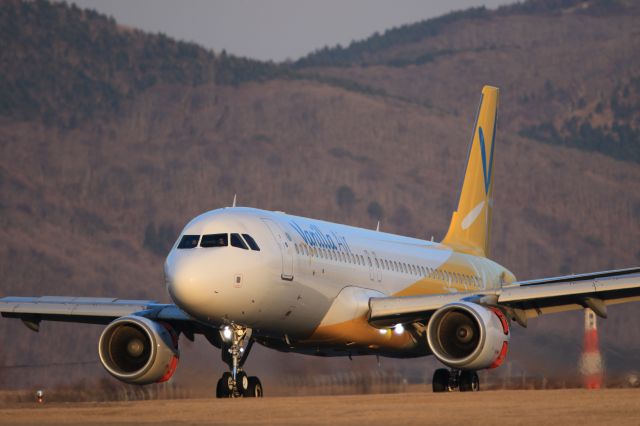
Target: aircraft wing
pixel 88 310
pixel 521 300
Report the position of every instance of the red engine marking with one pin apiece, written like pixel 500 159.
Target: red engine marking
pixel 503 320
pixel 503 354
pixel 171 368
pixel 172 333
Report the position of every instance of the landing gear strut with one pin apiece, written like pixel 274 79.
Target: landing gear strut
pixel 236 346
pixel 449 380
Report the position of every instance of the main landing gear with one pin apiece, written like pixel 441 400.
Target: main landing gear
pixel 236 383
pixel 449 380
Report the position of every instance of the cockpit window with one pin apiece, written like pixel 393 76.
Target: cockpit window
pixel 236 241
pixel 215 240
pixel 189 241
pixel 252 243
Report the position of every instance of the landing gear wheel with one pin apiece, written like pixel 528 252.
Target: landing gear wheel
pixel 236 345
pixel 469 381
pixel 242 382
pixel 254 389
pixel 225 386
pixel 440 381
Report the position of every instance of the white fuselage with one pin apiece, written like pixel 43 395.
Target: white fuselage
pixel 307 288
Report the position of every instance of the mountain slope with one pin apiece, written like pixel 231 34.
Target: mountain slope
pixel 569 70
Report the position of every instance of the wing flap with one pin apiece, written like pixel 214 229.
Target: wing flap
pixel 521 300
pixel 560 294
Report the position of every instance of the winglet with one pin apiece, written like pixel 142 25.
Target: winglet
pixel 471 222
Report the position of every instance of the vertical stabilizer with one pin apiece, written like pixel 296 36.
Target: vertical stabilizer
pixel 471 222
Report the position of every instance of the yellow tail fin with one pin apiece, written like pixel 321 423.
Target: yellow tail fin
pixel 471 222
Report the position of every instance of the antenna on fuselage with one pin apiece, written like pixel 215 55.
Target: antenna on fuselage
pixel 234 200
pixel 378 227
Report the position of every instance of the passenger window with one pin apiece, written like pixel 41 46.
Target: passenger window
pixel 252 243
pixel 215 240
pixel 238 242
pixel 188 241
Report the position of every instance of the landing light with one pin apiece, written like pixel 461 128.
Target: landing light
pixel 383 331
pixel 398 329
pixel 226 333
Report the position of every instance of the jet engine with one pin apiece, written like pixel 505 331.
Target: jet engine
pixel 137 350
pixel 468 336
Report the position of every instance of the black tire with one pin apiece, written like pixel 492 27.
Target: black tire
pixel 469 381
pixel 223 389
pixel 254 389
pixel 440 381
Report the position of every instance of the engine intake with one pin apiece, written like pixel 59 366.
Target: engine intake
pixel 468 336
pixel 138 350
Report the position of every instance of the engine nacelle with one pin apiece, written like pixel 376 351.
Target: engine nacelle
pixel 138 350
pixel 468 336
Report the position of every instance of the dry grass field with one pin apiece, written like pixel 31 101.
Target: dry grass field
pixel 613 406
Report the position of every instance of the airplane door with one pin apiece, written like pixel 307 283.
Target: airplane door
pixel 286 248
pixel 368 260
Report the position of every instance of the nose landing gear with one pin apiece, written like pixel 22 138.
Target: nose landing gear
pixel 449 380
pixel 236 346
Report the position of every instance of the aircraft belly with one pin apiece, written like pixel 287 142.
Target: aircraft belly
pixel 295 309
pixel 345 327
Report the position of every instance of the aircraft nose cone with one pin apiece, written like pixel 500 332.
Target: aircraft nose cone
pixel 183 281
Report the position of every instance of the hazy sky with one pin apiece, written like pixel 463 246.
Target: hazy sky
pixel 274 29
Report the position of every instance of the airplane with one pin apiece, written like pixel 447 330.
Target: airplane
pixel 239 276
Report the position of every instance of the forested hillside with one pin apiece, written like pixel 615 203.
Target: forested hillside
pixel 569 68
pixel 112 139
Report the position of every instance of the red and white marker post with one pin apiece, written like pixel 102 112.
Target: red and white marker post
pixel 591 364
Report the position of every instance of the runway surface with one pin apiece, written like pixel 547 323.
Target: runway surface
pixel 560 407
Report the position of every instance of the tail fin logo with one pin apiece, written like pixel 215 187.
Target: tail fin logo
pixel 486 173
